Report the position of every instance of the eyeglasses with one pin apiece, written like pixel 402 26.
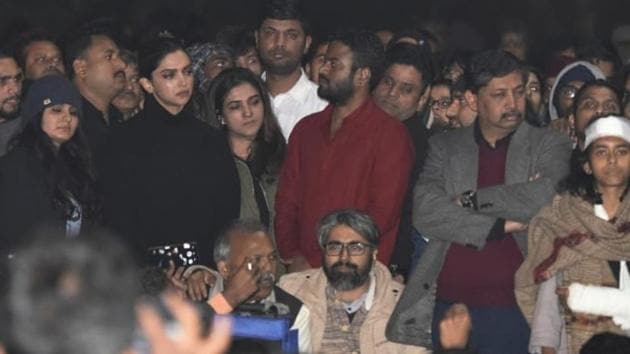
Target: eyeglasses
pixel 354 248
pixel 442 103
pixel 569 91
pixel 533 88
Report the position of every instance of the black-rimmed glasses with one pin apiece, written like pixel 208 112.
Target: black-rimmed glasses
pixel 442 103
pixel 354 248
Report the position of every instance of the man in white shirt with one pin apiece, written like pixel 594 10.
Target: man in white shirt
pixel 282 40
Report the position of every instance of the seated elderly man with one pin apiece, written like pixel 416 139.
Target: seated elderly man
pixel 247 263
pixel 352 296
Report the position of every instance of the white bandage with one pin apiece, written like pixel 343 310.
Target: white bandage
pixel 600 300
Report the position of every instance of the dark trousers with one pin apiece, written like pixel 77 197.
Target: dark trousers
pixel 495 330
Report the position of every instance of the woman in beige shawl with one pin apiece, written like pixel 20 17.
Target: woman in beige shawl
pixel 582 238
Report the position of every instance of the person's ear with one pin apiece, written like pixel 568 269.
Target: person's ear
pixel 362 77
pixel 146 85
pixel 587 168
pixel 374 254
pixel 79 66
pixel 223 269
pixel 424 99
pixel 307 43
pixel 571 120
pixel 471 100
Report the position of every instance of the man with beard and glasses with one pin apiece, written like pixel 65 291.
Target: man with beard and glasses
pixel 130 100
pixel 479 188
pixel 352 154
pixel 247 264
pixel 10 93
pixel 93 63
pixel 350 297
pixel 282 39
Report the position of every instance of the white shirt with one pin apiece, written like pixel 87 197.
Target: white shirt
pixel 300 101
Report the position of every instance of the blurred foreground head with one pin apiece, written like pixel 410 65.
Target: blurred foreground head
pixel 72 296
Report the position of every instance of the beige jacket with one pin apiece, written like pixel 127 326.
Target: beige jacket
pixel 310 287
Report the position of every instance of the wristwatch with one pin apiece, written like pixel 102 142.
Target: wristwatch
pixel 469 199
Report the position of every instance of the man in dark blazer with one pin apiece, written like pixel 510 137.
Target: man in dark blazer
pixel 479 188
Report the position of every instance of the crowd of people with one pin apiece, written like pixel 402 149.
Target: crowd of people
pixel 374 190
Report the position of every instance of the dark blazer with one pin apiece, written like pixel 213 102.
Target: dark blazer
pixel 451 169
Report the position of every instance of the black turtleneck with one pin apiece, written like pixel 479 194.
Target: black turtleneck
pixel 169 179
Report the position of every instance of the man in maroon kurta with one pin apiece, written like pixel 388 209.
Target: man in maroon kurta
pixel 351 155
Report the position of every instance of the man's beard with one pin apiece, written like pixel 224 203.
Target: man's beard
pixel 337 94
pixel 8 115
pixel 284 67
pixel 347 280
pixel 52 70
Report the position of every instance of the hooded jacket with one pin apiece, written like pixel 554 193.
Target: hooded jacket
pixel 555 90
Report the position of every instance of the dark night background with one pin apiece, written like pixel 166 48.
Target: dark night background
pixel 196 20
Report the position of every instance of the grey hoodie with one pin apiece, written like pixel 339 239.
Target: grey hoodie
pixel 553 113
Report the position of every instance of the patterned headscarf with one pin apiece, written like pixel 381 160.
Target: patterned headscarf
pixel 200 54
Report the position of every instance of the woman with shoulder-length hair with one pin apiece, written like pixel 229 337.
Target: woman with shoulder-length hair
pixel 47 178
pixel 169 178
pixel 240 103
pixel 581 240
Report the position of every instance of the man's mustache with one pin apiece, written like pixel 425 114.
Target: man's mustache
pixel 128 93
pixel 345 264
pixel 14 97
pixel 514 113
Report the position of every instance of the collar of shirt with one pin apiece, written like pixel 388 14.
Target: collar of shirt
pixel 297 92
pixel 359 116
pixel 480 139
pixel 114 117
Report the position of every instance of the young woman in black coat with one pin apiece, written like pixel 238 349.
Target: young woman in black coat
pixel 169 178
pixel 47 178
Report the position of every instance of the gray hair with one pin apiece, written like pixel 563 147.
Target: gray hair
pixel 355 219
pixel 244 227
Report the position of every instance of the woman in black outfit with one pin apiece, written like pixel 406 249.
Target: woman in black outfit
pixel 169 178
pixel 47 178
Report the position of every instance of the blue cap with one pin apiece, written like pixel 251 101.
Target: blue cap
pixel 49 91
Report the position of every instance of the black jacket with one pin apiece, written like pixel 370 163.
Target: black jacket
pixel 169 179
pixel 25 201
pixel 97 130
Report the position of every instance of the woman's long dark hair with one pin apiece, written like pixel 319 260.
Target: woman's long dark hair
pixel 68 170
pixel 269 145
pixel 578 182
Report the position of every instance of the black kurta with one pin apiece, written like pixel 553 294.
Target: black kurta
pixel 169 179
